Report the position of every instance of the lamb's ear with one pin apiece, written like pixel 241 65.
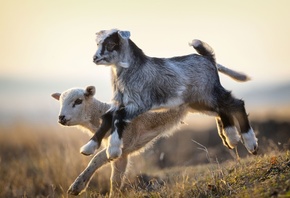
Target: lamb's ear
pixel 56 95
pixel 90 91
pixel 124 34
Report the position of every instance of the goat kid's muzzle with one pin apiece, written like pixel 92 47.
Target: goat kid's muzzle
pixel 97 59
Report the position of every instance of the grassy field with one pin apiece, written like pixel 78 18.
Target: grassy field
pixel 44 161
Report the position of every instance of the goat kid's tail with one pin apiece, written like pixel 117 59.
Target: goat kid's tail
pixel 205 50
pixel 238 76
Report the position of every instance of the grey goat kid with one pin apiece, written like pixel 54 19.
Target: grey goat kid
pixel 142 83
pixel 79 108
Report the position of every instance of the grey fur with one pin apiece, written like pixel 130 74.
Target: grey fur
pixel 238 76
pixel 142 83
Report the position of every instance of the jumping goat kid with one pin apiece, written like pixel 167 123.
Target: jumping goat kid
pixel 142 83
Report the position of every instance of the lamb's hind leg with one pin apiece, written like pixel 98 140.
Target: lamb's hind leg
pixel 83 179
pixel 248 136
pixel 117 175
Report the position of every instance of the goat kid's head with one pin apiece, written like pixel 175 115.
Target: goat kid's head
pixel 112 45
pixel 74 105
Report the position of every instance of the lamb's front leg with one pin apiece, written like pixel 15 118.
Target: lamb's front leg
pixel 96 140
pixel 83 179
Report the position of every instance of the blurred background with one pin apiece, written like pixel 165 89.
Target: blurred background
pixel 47 47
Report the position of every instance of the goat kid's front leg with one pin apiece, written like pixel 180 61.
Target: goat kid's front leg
pixel 96 140
pixel 114 149
pixel 81 182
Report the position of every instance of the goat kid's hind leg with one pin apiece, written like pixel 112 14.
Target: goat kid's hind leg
pixel 228 130
pixel 117 175
pixel 114 149
pixel 96 140
pixel 81 182
pixel 248 136
pixel 220 131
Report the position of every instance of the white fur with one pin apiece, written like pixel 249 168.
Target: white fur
pixel 250 141
pixel 170 104
pixel 114 149
pixel 100 38
pixel 195 43
pixel 232 136
pixel 89 148
pixel 124 65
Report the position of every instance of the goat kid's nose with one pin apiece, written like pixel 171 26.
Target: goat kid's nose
pixel 95 58
pixel 61 117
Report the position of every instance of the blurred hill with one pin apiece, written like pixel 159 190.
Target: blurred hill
pixel 181 150
pixel 29 100
pixel 271 95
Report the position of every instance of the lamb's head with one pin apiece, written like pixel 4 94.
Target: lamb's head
pixel 75 105
pixel 112 47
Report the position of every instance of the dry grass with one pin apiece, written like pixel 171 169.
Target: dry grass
pixel 44 161
pixel 41 162
pixel 259 176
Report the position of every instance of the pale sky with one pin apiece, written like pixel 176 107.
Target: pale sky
pixel 55 40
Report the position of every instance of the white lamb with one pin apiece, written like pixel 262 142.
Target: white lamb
pixel 78 107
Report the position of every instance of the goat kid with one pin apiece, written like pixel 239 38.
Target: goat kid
pixel 79 108
pixel 142 83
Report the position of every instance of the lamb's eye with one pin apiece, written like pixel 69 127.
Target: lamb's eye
pixel 77 102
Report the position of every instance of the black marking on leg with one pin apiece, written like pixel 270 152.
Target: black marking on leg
pixel 119 122
pixel 242 118
pixel 105 126
pixel 239 111
pixel 227 120
pixel 220 128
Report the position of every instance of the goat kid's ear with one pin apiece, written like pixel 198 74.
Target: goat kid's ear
pixel 56 96
pixel 124 34
pixel 100 32
pixel 90 91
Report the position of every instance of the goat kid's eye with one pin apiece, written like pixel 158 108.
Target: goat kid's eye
pixel 110 46
pixel 77 102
